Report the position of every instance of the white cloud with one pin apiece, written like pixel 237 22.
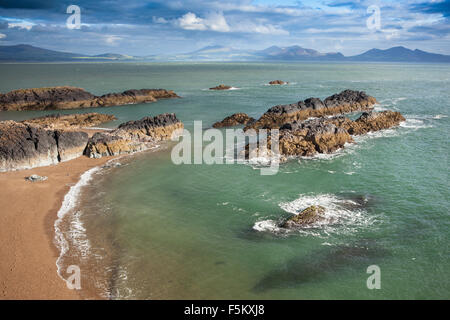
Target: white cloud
pixel 217 22
pixel 191 22
pixel 21 25
pixel 112 39
pixel 213 21
pixel 2 35
pixel 159 20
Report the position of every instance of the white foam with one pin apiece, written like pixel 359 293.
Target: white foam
pixel 267 225
pixel 77 229
pixel 342 216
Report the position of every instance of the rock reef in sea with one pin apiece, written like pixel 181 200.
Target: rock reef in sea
pixel 278 82
pixel 326 132
pixel 221 87
pixel 56 98
pixel 327 135
pixel 345 102
pixel 308 216
pixel 234 120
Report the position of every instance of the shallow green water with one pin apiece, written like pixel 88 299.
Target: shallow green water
pixel 205 231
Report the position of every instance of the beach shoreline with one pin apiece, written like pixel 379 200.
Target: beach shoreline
pixel 28 267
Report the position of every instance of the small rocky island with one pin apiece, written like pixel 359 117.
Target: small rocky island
pixel 327 131
pixel 278 82
pixel 308 216
pixel 25 145
pixel 221 87
pixel 58 98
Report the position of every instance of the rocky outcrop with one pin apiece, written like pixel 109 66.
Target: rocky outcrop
pixel 275 82
pixel 221 87
pixel 70 121
pixel 54 98
pixel 133 136
pixel 308 216
pixel 326 135
pixel 311 137
pixel 24 146
pixel 369 122
pixel 345 102
pixel 234 120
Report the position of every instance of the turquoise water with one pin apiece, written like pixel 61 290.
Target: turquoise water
pixel 156 230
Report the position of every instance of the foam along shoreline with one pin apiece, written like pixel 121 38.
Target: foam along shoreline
pixel 27 247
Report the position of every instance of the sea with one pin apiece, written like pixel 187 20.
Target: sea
pixel 144 227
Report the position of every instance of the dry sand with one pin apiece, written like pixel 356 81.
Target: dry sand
pixel 28 211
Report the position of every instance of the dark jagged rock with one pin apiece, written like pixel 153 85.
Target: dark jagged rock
pixel 133 136
pixel 221 87
pixel 24 146
pixel 308 216
pixel 70 121
pixel 234 120
pixel 278 82
pixel 72 97
pixel 345 102
pixel 350 98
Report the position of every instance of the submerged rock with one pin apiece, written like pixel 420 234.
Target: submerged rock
pixel 35 177
pixel 72 97
pixel 278 82
pixel 234 120
pixel 221 87
pixel 68 121
pixel 308 216
pixel 345 102
pixel 24 146
pixel 133 136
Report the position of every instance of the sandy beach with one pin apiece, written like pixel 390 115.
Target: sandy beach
pixel 28 212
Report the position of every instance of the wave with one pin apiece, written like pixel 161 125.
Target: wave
pixel 342 216
pixel 77 230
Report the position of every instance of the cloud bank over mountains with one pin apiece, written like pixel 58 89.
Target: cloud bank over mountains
pixel 173 26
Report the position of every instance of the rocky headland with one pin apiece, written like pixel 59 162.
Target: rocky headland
pixel 55 98
pixel 133 136
pixel 234 120
pixel 70 121
pixel 24 146
pixel 28 145
pixel 221 87
pixel 345 102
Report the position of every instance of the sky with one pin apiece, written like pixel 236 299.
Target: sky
pixel 139 27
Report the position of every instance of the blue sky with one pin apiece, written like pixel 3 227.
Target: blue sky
pixel 176 26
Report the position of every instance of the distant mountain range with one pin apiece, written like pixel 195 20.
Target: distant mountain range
pixel 30 53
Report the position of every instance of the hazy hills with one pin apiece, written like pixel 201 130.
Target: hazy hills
pixel 30 53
